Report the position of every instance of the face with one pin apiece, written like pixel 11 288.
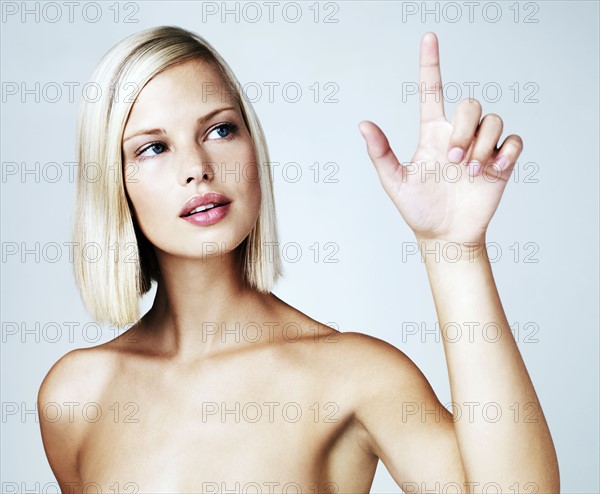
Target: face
pixel 186 137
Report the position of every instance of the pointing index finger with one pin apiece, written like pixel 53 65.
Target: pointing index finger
pixel 430 79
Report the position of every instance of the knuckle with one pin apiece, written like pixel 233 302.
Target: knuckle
pixel 461 137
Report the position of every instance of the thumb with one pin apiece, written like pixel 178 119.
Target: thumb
pixel 390 170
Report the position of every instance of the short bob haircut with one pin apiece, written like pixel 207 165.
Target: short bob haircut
pixel 114 264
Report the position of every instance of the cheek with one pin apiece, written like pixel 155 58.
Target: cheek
pixel 252 190
pixel 251 174
pixel 147 201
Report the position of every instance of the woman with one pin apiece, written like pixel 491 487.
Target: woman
pixel 223 387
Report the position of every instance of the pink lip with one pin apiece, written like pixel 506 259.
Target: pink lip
pixel 210 216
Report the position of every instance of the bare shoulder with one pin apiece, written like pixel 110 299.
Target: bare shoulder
pixel 373 365
pixel 78 374
pixel 77 379
pixel 296 323
pixel 366 351
pixel 357 356
pixel 359 364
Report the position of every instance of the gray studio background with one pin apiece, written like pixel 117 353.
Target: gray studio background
pixel 545 230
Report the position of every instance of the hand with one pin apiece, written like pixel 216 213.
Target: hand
pixel 453 206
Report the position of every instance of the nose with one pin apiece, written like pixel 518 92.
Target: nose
pixel 195 166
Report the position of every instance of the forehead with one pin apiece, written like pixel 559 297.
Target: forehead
pixel 181 93
pixel 193 81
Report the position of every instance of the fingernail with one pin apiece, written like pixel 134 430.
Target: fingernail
pixel 501 162
pixel 474 168
pixel 455 155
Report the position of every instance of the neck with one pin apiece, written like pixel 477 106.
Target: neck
pixel 202 306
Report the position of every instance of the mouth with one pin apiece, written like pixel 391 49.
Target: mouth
pixel 203 204
pixel 204 209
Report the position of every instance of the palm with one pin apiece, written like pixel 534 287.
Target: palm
pixel 447 204
pixel 439 199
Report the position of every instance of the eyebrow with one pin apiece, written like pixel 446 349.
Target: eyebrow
pixel 201 120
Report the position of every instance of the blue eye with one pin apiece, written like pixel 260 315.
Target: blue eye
pixel 225 132
pixel 229 129
pixel 156 147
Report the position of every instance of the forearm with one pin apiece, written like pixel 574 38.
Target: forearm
pixel 501 430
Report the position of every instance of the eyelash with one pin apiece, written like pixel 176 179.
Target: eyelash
pixel 233 130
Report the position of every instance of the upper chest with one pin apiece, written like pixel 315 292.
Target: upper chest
pixel 246 421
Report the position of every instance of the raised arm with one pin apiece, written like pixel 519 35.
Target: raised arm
pixel 501 432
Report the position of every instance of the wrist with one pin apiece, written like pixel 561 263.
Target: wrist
pixel 442 251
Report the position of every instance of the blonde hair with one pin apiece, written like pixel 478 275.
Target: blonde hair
pixel 112 284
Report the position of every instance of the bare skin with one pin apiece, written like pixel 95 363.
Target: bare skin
pixel 296 391
pixel 280 399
